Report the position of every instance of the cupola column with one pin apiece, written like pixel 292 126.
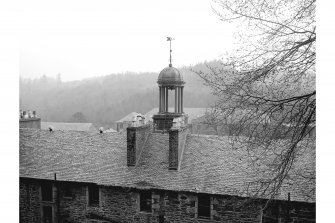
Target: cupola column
pixel 163 102
pixel 163 99
pixel 175 100
pixel 160 99
pixel 167 99
pixel 178 99
pixel 181 103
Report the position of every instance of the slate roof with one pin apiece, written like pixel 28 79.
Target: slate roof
pixel 69 126
pixel 192 113
pixel 208 165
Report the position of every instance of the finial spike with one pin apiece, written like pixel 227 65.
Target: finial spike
pixel 170 39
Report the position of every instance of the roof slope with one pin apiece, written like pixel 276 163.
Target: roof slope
pixel 208 165
pixel 68 126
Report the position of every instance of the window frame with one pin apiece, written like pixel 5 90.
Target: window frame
pixel 96 201
pixel 44 213
pixel 67 190
pixel 145 195
pixel 47 194
pixel 209 206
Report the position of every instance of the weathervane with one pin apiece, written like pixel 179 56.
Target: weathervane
pixel 170 39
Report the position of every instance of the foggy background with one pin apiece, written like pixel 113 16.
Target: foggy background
pixel 106 99
pixel 101 61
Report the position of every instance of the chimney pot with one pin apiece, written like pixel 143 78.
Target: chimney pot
pixel 25 115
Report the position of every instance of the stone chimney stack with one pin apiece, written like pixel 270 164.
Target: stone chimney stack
pixel 136 138
pixel 177 140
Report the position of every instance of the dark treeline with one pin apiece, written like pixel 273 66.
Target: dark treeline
pixel 104 100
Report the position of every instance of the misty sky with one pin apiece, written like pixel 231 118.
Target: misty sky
pixel 82 39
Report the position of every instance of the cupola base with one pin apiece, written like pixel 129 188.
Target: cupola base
pixel 164 121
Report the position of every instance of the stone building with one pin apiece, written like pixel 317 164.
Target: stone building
pixel 151 173
pixel 29 119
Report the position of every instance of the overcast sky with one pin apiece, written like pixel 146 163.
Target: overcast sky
pixel 81 39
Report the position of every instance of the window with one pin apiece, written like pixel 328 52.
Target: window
pixel 47 214
pixel 145 201
pixel 46 189
pixel 204 206
pixel 93 195
pixel 67 190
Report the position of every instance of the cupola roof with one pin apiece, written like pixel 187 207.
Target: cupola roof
pixel 170 76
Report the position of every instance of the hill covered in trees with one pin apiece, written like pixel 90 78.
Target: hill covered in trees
pixel 105 99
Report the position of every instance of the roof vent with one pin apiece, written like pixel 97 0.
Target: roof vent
pixel 101 130
pixel 51 128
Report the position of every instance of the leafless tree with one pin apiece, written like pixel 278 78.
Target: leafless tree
pixel 267 86
pixel 213 119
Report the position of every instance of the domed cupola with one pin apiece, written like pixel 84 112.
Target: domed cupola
pixel 170 76
pixel 169 79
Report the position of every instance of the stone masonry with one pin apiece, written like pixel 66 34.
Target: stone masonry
pixel 177 139
pixel 33 123
pixel 118 204
pixel 136 138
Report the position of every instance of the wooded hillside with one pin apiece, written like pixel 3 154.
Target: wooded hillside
pixel 105 99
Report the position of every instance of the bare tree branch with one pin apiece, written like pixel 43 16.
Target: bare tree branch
pixel 266 90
